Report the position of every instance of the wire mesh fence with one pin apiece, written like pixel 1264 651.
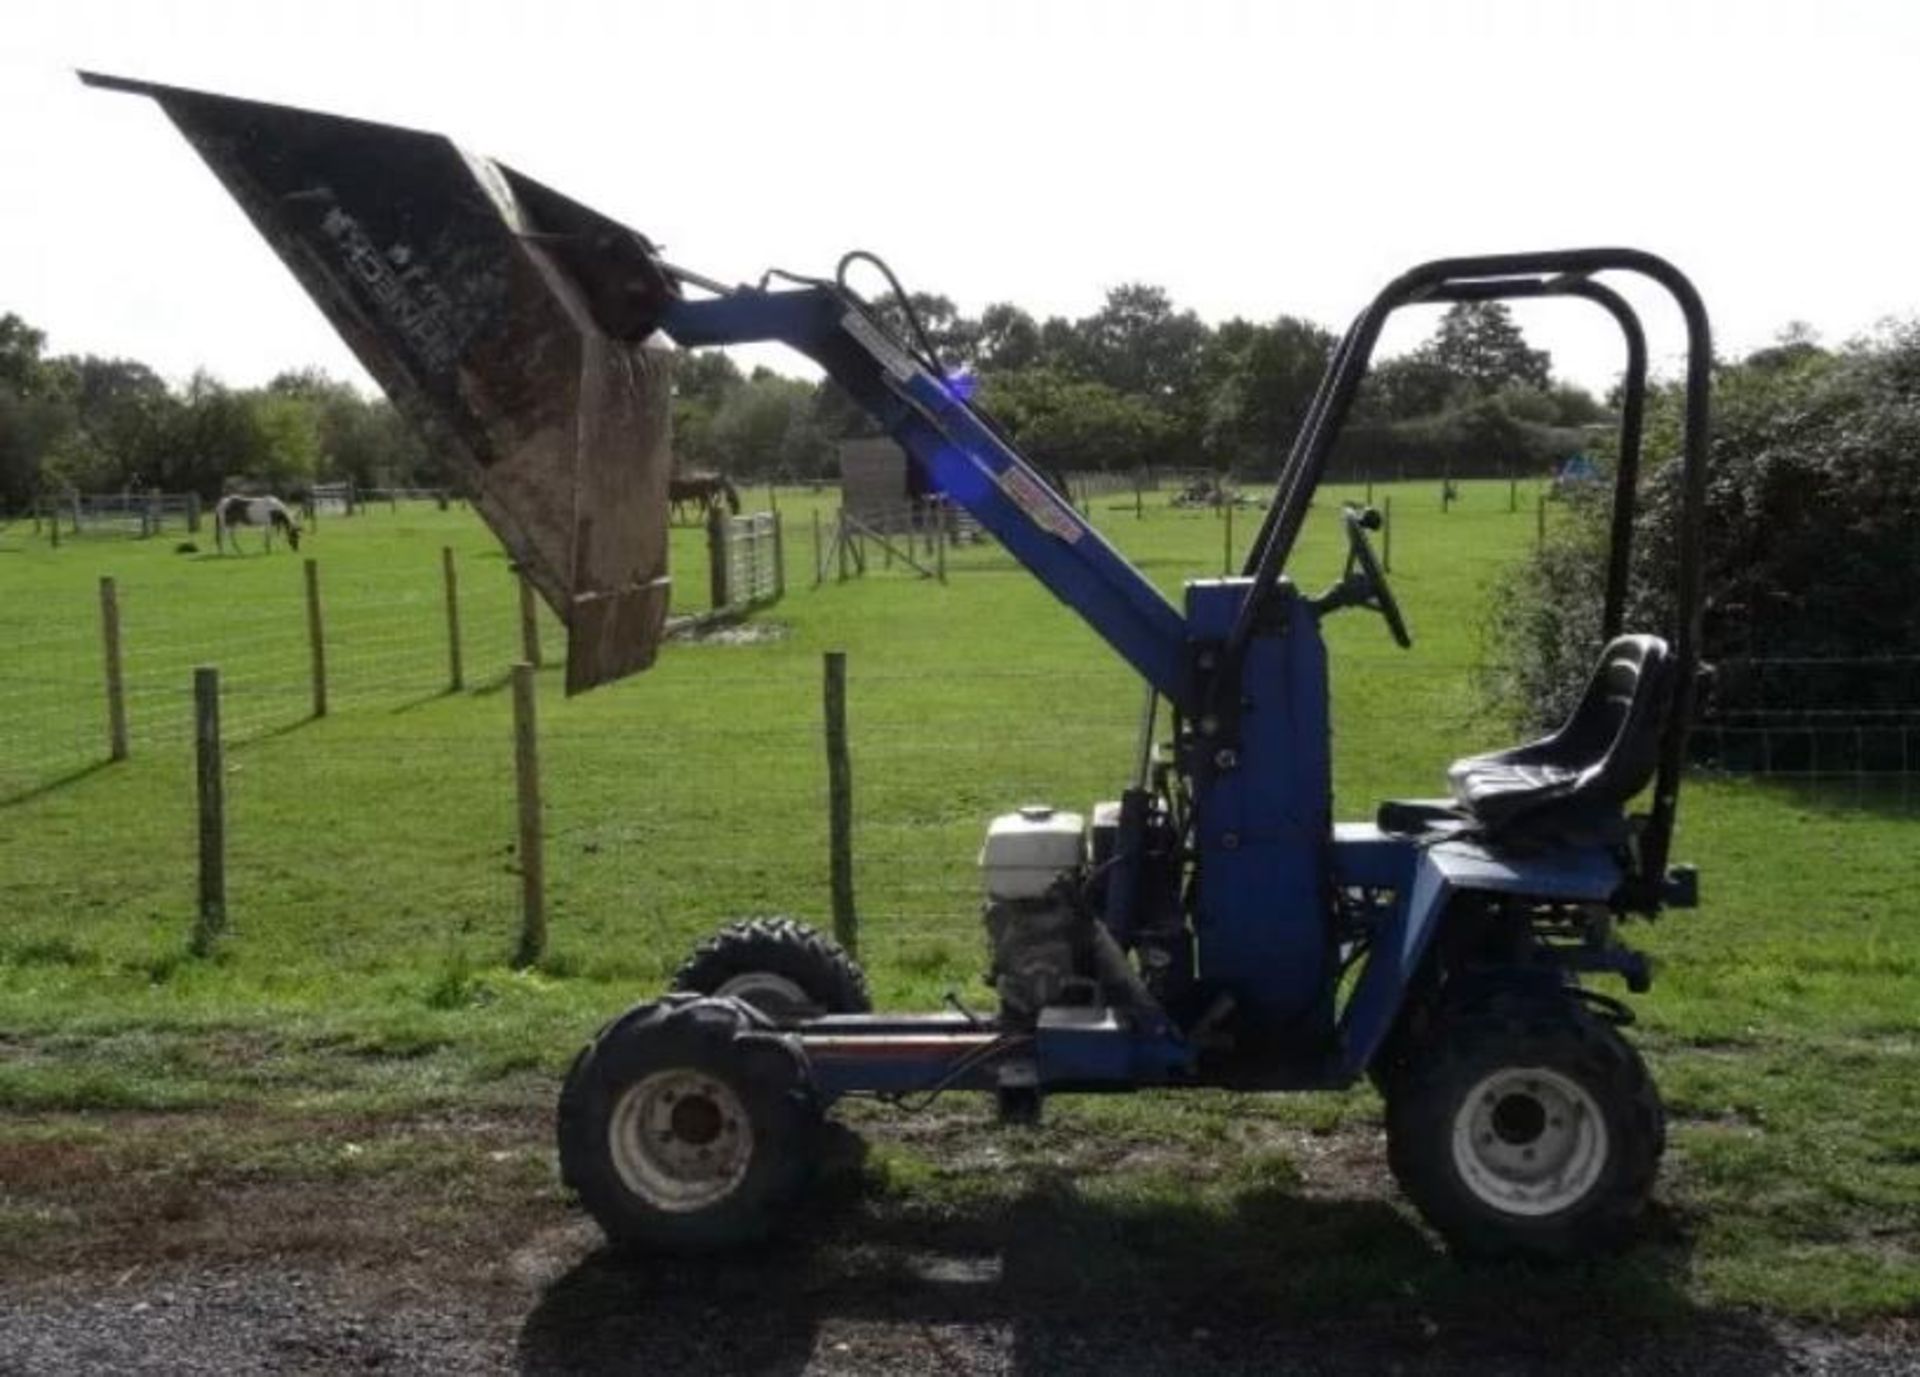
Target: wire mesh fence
pixel 1813 716
pixel 385 835
pixel 384 640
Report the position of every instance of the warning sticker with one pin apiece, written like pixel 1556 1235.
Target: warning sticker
pixel 890 355
pixel 1034 498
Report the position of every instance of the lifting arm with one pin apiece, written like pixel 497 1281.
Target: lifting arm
pixel 962 456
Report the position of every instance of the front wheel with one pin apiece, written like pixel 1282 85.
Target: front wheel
pixel 687 1125
pixel 1532 1131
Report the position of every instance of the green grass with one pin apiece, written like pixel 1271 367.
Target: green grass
pixel 373 886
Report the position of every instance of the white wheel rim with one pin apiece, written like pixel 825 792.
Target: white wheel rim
pixel 1529 1141
pixel 773 995
pixel 680 1140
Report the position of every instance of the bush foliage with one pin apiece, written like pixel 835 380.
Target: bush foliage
pixel 1811 542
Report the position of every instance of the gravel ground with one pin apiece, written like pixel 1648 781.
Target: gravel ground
pixel 161 1262
pixel 955 1318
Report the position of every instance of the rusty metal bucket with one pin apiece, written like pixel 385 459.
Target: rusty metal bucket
pixel 510 324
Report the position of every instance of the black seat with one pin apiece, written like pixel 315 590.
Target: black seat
pixel 1575 783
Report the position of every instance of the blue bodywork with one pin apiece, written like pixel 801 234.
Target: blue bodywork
pixel 1424 878
pixel 1262 808
pixel 1268 858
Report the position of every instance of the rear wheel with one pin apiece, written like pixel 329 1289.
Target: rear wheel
pixel 784 968
pixel 687 1125
pixel 1530 1130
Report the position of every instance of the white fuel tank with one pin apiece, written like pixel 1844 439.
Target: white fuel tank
pixel 1028 850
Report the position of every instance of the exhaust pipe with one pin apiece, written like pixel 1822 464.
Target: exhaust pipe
pixel 511 325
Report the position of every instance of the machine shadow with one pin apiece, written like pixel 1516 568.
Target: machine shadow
pixel 1052 1278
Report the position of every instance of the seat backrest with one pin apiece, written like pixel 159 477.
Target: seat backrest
pixel 1613 737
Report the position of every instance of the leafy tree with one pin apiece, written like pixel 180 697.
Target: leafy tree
pixel 1064 422
pixel 706 376
pixel 1259 382
pixel 1410 386
pixel 703 381
pixel 360 439
pixel 1573 405
pixel 767 426
pixel 221 436
pixel 31 427
pixel 1795 343
pixel 953 337
pixel 1138 343
pixel 120 409
pixel 1478 342
pixel 20 355
pixel 1008 339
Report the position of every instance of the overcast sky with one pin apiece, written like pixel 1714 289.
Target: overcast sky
pixel 1251 158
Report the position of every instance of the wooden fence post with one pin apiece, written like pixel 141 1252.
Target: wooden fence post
pixel 1513 493
pixel 533 868
pixel 779 555
pixel 210 779
pixel 316 637
pixel 193 513
pixel 1540 524
pixel 455 679
pixel 1226 551
pixel 1386 537
pixel 819 552
pixel 719 558
pixel 840 540
pixel 529 622
pixel 940 560
pixel 116 685
pixel 846 924
pixel 53 527
pixel 1139 498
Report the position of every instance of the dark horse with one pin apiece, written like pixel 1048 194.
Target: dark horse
pixel 708 490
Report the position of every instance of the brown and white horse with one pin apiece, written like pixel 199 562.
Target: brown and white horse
pixel 270 514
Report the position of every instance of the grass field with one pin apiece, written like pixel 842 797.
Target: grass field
pixel 363 989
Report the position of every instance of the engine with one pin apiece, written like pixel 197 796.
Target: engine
pixel 1075 915
pixel 1032 866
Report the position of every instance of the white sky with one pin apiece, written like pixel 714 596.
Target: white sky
pixel 1251 158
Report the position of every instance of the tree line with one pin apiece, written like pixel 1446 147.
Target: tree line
pixel 1140 381
pixel 79 422
pixel 1143 382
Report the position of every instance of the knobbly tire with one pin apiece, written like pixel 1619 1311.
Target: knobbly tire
pixel 688 1125
pixel 1527 1129
pixel 784 968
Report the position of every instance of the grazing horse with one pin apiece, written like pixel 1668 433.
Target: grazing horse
pixel 707 489
pixel 268 513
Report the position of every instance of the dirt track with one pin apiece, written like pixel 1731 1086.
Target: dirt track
pixel 205 1271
